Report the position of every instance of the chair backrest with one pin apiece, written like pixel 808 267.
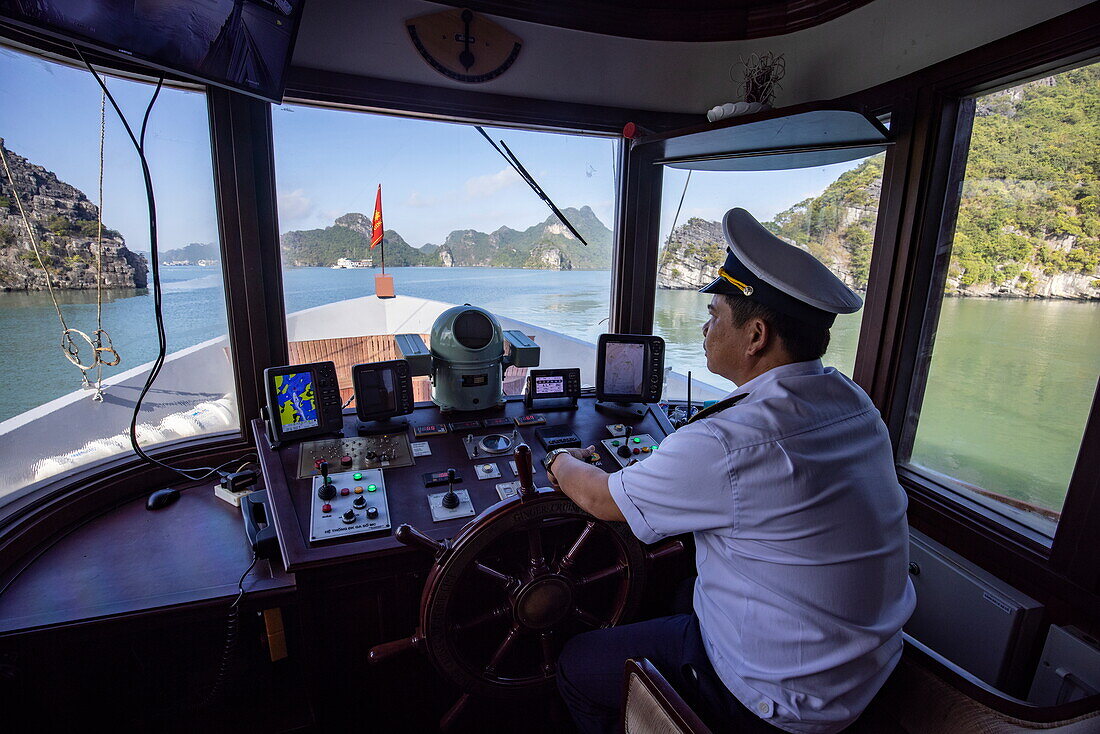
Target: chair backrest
pixel 928 694
pixel 652 706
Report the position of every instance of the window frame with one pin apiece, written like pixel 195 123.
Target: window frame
pixel 921 187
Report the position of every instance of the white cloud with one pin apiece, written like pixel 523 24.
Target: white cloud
pixel 295 205
pixel 480 187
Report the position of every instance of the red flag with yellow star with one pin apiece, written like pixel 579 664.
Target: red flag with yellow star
pixel 376 223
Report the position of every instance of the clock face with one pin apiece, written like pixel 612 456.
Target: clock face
pixel 463 45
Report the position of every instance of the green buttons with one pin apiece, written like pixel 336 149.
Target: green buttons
pixel 372 487
pixel 357 476
pixel 636 440
pixel 653 448
pixel 614 443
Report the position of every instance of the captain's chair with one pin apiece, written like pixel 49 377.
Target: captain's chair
pixel 926 694
pixel 652 706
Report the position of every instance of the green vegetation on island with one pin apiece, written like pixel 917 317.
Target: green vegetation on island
pixel 1029 218
pixel 548 244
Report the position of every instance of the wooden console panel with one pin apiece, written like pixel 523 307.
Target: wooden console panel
pixel 407 496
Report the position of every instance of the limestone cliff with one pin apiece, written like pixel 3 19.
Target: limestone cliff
pixel 65 224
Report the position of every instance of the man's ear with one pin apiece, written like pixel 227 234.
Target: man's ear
pixel 760 335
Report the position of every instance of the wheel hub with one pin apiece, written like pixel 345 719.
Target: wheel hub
pixel 544 602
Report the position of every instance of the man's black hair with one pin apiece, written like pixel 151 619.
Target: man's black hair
pixel 801 340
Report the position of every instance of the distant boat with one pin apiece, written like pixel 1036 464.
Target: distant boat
pixel 346 263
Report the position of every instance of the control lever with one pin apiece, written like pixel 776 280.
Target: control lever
pixel 450 500
pixel 525 470
pixel 327 490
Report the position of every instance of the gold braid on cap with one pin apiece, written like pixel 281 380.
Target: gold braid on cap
pixel 743 287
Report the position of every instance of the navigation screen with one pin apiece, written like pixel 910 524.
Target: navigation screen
pixel 297 401
pixel 552 385
pixel 624 365
pixel 375 392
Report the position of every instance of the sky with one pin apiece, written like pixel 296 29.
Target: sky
pixel 436 177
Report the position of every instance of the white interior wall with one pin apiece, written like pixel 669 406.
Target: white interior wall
pixel 875 43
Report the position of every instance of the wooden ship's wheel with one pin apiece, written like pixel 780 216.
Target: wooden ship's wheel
pixel 516 582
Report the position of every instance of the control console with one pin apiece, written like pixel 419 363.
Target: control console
pixel 627 450
pixel 348 503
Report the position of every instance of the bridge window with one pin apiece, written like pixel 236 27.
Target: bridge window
pixel 461 226
pixel 49 422
pixel 1017 341
pixel 830 211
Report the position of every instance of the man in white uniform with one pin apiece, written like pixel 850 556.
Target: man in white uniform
pixel 789 488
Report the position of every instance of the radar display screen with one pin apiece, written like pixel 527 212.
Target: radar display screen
pixel 383 390
pixel 374 392
pixel 629 367
pixel 296 401
pixel 624 366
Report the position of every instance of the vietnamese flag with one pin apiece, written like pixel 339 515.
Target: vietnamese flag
pixel 376 223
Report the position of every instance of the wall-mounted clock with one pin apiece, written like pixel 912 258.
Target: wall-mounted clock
pixel 464 46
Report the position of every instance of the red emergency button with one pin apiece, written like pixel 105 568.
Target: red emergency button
pixel 345 492
pixel 345 461
pixel 326 507
pixel 637 451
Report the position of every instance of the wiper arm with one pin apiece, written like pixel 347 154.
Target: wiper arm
pixel 515 164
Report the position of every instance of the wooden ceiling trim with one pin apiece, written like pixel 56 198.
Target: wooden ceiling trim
pixel 692 20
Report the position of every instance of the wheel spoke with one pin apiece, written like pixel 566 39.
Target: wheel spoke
pixel 494 661
pixel 549 655
pixel 491 615
pixel 536 554
pixel 588 618
pixel 492 573
pixel 570 558
pixel 600 575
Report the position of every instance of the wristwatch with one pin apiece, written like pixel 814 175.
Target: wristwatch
pixel 550 456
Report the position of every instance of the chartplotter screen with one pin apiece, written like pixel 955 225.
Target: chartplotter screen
pixel 296 401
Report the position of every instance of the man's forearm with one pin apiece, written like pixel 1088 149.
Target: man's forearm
pixel 587 486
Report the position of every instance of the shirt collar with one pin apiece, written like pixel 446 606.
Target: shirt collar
pixel 791 369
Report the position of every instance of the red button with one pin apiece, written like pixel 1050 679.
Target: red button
pixel 326 507
pixel 637 451
pixel 345 492
pixel 345 461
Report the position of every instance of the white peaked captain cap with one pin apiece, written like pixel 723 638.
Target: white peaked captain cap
pixel 774 273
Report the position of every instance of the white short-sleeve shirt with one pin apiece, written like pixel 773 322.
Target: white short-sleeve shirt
pixel 801 542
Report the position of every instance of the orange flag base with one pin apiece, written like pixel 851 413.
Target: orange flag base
pixel 383 286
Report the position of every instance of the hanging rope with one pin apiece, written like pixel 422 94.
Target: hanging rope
pixel 100 334
pixel 69 346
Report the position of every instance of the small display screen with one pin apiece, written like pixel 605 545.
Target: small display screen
pixel 376 391
pixel 296 401
pixel 550 385
pixel 624 368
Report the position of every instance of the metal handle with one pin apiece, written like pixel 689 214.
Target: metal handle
pixel 526 471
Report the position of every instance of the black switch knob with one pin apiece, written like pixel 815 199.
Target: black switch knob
pixel 372 512
pixel 327 491
pixel 450 500
pixel 349 516
pixel 359 503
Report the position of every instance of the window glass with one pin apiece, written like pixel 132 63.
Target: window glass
pixel 1017 344
pixel 829 211
pixel 461 226
pixel 49 422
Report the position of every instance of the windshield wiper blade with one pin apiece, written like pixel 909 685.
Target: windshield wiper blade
pixel 529 179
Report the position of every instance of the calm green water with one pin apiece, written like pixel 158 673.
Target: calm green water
pixel 1010 385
